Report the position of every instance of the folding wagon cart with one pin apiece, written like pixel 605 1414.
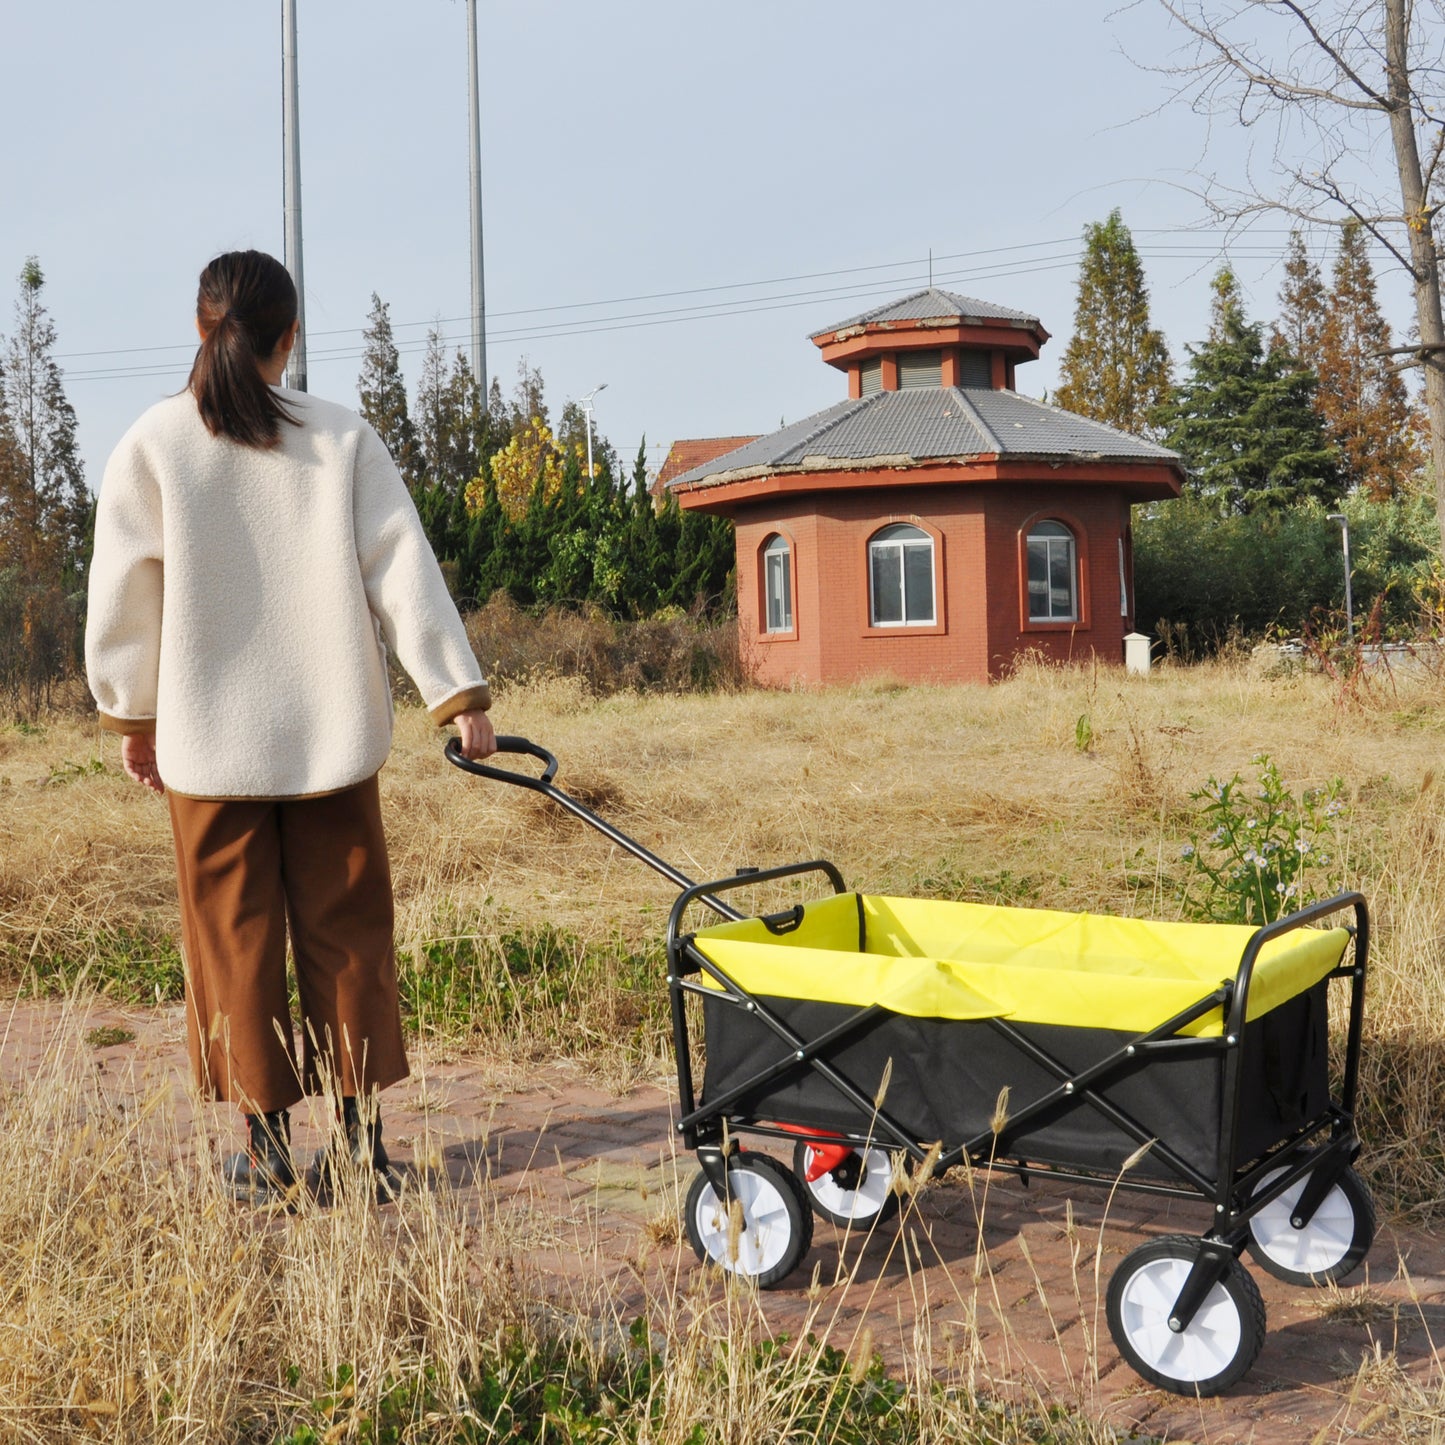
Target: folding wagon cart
pixel 873 1034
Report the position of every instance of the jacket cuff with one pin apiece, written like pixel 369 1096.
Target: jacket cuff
pixel 468 700
pixel 125 725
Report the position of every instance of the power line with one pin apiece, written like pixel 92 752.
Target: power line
pixel 737 306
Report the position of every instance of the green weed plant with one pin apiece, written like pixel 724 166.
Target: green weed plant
pixel 1264 852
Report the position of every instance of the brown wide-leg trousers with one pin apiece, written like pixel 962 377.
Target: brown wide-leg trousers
pixel 247 868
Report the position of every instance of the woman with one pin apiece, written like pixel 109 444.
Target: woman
pixel 256 555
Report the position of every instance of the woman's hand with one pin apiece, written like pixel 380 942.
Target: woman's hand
pixel 138 758
pixel 478 739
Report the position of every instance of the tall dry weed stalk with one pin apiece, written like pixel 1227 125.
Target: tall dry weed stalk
pixel 138 1303
pixel 1402 1082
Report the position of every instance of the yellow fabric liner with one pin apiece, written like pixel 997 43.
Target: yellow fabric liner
pixel 1032 965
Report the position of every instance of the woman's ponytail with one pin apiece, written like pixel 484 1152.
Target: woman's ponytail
pixel 245 305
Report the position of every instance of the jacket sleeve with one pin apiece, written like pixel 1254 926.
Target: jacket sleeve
pixel 123 617
pixel 406 591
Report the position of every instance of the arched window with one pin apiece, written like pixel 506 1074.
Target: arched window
pixel 777 585
pixel 1053 573
pixel 900 577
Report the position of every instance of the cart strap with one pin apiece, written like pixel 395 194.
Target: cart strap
pixel 970 961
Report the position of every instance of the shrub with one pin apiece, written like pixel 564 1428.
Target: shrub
pixel 1200 577
pixel 1263 855
pixel 671 652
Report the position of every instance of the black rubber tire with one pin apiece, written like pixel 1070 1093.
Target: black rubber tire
pixel 1329 1247
pixel 832 1198
pixel 1221 1342
pixel 776 1228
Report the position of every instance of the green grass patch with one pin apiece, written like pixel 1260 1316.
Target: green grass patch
pixel 540 992
pixel 530 1389
pixel 108 1036
pixel 129 965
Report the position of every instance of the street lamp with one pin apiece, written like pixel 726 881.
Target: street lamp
pixel 586 405
pixel 1345 543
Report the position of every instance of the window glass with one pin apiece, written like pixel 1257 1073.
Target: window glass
pixel 900 576
pixel 887 585
pixel 1051 574
pixel 778 585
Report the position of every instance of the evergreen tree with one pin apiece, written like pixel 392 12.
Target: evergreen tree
pixel 1244 420
pixel 382 390
pixel 45 512
pixel 432 413
pixel 529 400
pixel 45 506
pixel 466 429
pixel 1116 369
pixel 1302 304
pixel 1365 408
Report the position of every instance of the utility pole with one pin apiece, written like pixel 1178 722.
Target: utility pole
pixel 291 187
pixel 479 299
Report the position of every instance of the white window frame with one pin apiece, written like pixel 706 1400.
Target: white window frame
pixel 1045 538
pixel 777 566
pixel 899 540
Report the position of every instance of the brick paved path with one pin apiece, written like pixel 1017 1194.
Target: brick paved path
pixel 602 1167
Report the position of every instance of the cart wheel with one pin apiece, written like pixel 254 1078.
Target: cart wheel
pixel 855 1193
pixel 1335 1240
pixel 1220 1343
pixel 772 1228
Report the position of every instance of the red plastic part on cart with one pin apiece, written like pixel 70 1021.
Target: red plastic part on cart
pixel 822 1158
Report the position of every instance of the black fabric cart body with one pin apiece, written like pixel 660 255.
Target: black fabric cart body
pixel 1177 1059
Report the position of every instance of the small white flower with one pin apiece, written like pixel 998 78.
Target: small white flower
pixel 1302 846
pixel 1187 851
pixel 1220 834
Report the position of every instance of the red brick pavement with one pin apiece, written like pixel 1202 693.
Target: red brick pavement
pixel 1015 1302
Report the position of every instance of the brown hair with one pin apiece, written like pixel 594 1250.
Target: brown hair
pixel 245 304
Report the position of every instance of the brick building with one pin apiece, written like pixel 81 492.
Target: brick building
pixel 935 523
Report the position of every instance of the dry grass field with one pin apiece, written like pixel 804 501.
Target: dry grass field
pixel 527 936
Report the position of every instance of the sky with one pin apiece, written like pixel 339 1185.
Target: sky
pixel 675 194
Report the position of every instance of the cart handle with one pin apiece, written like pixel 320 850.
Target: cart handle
pixel 507 743
pixel 783 922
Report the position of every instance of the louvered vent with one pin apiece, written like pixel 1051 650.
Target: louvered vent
pixel 920 368
pixel 975 370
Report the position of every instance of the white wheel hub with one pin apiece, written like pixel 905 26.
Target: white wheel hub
pixel 863 1202
pixel 763 1230
pixel 1316 1248
pixel 1204 1349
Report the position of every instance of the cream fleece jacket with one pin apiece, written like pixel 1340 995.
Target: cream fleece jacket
pixel 242 602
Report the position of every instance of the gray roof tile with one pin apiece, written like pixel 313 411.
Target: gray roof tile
pixel 932 304
pixel 926 424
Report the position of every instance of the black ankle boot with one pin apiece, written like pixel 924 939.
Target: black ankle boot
pixel 264 1173
pixel 363 1147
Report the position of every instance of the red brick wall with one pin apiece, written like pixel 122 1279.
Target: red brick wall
pixel 980 606
pixel 1098 517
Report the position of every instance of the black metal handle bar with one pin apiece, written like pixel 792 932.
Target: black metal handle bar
pixel 1301 918
pixel 1238 1014
pixel 744 879
pixel 507 743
